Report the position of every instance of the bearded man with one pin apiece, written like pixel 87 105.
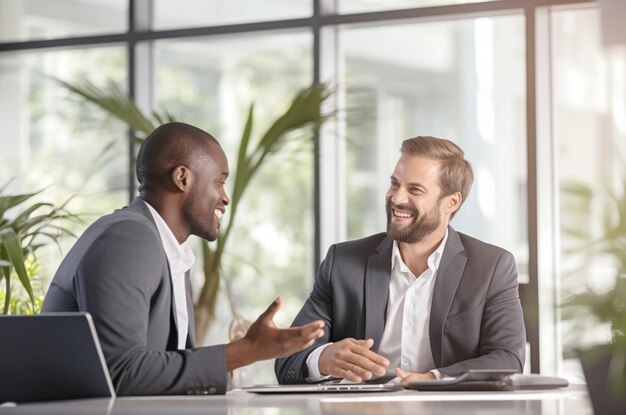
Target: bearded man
pixel 420 301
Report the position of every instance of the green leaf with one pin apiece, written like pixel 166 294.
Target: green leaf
pixel 27 212
pixel 6 274
pixel 113 100
pixel 13 250
pixel 7 202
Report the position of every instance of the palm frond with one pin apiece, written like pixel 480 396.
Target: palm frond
pixel 114 101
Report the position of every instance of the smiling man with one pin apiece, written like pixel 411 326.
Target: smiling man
pixel 130 270
pixel 420 301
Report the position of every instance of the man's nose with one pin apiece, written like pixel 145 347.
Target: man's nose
pixel 399 196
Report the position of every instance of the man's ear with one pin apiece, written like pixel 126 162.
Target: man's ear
pixel 181 178
pixel 453 202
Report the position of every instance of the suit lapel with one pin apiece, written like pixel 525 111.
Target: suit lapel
pixel 140 205
pixel 448 277
pixel 377 276
pixel 173 315
pixel 191 334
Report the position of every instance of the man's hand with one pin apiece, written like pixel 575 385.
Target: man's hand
pixel 264 340
pixel 406 377
pixel 352 360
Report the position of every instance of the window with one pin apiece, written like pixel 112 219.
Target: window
pixel 361 6
pixel 189 13
pixel 51 142
pixel 450 80
pixel 41 19
pixel 459 69
pixel 589 89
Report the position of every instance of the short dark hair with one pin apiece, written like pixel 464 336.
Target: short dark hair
pixel 167 147
pixel 455 174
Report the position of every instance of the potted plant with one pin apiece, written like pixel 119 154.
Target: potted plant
pixel 604 365
pixel 22 234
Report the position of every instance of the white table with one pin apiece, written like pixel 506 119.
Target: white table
pixel 570 401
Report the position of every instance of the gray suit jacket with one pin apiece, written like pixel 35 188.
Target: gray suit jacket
pixel 118 272
pixel 475 318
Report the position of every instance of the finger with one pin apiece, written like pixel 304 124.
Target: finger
pixel 304 334
pixel 404 376
pixel 293 340
pixel 295 344
pixel 401 373
pixel 367 364
pixel 348 375
pixel 356 370
pixel 271 310
pixel 380 361
pixel 367 343
pixel 308 328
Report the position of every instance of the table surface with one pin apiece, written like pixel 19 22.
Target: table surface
pixel 571 401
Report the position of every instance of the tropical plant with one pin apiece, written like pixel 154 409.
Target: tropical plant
pixel 21 236
pixel 590 305
pixel 303 112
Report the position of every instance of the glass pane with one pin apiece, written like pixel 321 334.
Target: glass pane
pixel 589 89
pixel 37 19
pixel 190 13
pixel 361 6
pixel 463 80
pixel 51 141
pixel 211 83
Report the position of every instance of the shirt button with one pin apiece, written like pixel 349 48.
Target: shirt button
pixel 405 362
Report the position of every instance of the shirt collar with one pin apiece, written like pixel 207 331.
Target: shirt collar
pixel 433 260
pixel 179 256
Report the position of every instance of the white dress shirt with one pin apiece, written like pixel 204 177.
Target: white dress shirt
pixel 406 340
pixel 180 258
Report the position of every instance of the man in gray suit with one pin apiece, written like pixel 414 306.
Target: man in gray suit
pixel 420 301
pixel 130 270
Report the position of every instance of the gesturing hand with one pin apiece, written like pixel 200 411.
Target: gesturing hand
pixel 352 359
pixel 266 341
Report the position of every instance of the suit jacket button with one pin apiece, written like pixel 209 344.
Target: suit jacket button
pixel 212 390
pixel 291 374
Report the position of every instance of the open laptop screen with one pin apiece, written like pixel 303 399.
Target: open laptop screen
pixel 51 356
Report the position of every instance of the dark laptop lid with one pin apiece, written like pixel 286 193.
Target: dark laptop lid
pixel 490 380
pixel 51 356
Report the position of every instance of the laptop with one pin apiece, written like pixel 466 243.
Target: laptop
pixel 333 385
pixel 490 380
pixel 51 356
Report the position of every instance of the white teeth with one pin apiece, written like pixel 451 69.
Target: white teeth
pixel 218 213
pixel 402 214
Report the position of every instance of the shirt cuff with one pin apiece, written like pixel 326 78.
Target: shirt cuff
pixel 437 374
pixel 312 363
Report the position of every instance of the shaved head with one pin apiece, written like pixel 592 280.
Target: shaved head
pixel 167 147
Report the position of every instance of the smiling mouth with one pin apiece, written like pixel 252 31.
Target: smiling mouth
pixel 218 215
pixel 401 214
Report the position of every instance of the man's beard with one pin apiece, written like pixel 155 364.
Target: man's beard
pixel 202 223
pixel 421 227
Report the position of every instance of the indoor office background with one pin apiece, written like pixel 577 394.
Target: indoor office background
pixel 526 87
